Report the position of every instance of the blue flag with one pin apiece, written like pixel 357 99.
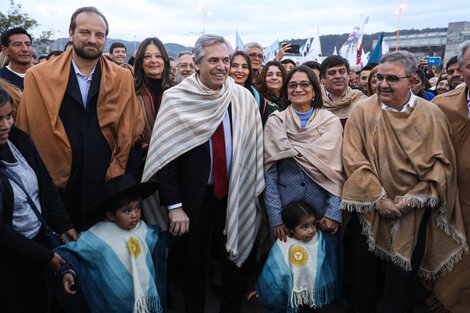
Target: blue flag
pixel 376 55
pixel 239 46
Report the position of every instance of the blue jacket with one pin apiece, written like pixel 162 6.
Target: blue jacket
pixel 286 182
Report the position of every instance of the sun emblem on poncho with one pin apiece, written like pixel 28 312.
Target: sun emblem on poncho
pixel 298 255
pixel 133 246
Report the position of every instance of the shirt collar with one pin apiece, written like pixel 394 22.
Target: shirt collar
pixel 19 74
pixel 331 97
pixel 77 71
pixel 410 104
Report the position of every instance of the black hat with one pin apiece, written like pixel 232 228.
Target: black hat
pixel 120 186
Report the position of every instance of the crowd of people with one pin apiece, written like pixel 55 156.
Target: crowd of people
pixel 329 184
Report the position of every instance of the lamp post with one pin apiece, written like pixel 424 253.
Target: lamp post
pixel 400 10
pixel 205 13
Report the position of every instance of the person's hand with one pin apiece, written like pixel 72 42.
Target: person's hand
pixel 55 263
pixel 282 51
pixel 68 282
pixel 69 235
pixel 328 225
pixel 401 205
pixel 281 232
pixel 387 209
pixel 251 294
pixel 179 222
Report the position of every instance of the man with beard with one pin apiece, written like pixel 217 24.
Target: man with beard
pixel 83 115
pixel 338 97
pixel 17 46
pixel 184 66
pixel 454 73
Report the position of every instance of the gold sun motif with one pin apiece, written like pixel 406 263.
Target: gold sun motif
pixel 298 255
pixel 133 246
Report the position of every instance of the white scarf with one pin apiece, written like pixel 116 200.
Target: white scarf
pixel 302 258
pixel 189 114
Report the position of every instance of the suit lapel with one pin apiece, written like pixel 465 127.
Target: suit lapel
pixel 72 87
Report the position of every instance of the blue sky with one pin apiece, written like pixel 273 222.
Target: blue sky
pixel 181 21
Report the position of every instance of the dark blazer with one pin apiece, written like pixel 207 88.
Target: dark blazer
pixel 185 179
pixel 14 245
pixel 91 153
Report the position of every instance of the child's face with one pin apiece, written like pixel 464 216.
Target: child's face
pixel 306 229
pixel 127 216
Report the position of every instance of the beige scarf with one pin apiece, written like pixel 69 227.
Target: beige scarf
pixel 407 155
pixel 316 148
pixel 343 107
pixel 188 116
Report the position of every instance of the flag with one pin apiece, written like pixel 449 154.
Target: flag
pixel 335 52
pixel 360 50
pixel 312 51
pixel 270 52
pixel 364 58
pixel 352 47
pixel 376 54
pixel 239 46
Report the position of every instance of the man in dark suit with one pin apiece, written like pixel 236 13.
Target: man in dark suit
pixel 82 112
pixel 206 151
pixel 17 46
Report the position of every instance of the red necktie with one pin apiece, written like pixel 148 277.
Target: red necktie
pixel 219 163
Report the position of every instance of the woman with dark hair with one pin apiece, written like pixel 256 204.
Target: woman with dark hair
pixel 421 86
pixel 269 84
pixel 442 85
pixel 25 185
pixel 240 71
pixel 152 76
pixel 302 154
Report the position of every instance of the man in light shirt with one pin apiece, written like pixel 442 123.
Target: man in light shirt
pixel 82 113
pixel 401 187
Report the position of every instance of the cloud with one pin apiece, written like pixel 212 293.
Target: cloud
pixel 256 20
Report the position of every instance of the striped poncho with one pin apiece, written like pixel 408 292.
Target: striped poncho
pixel 115 269
pixel 189 115
pixel 299 273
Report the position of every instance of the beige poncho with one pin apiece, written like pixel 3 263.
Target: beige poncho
pixel 342 108
pixel 453 290
pixel 407 155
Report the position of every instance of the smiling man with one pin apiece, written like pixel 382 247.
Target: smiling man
pixel 184 66
pixel 83 115
pixel 338 97
pixel 401 187
pixel 17 46
pixel 118 52
pixel 207 153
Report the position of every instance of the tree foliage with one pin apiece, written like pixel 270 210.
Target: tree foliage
pixel 13 17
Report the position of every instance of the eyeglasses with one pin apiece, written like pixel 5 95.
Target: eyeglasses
pixel 185 65
pixel 256 56
pixel 303 85
pixel 391 79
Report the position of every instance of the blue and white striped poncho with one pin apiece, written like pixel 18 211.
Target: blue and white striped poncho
pixel 300 274
pixel 115 269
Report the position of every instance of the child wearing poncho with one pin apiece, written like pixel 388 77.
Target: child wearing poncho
pixel 301 274
pixel 112 261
